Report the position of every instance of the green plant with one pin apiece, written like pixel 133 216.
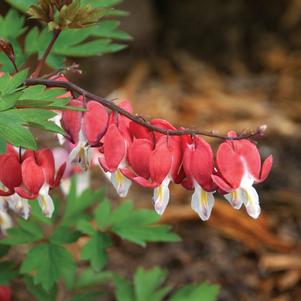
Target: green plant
pixel 48 268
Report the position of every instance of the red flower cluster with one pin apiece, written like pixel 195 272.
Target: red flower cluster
pixel 26 176
pixel 127 151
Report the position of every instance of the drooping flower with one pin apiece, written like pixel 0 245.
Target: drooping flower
pixel 198 165
pixel 114 158
pixel 39 176
pixel 82 178
pixel 113 153
pixel 154 164
pixel 10 172
pixel 238 168
pixel 84 129
pixel 10 178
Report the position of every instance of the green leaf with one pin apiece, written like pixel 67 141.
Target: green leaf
pixel 49 263
pixel 40 96
pixel 77 204
pixel 8 101
pixel 102 214
pixel 102 3
pixel 64 235
pixel 24 232
pixel 12 25
pixel 8 89
pixel 147 285
pixel 12 131
pixel 88 277
pixel 137 226
pixel 22 5
pixel 10 84
pixel 7 272
pixel 96 250
pixel 196 292
pixel 83 42
pixel 124 290
pixel 38 118
pixel 2 146
pixel 85 227
pixel 38 292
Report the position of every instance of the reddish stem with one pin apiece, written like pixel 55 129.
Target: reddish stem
pixel 259 132
pixel 42 61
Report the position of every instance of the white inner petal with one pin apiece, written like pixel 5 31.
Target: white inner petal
pixel 251 202
pixel 19 205
pixel 161 196
pixel 202 202
pixel 235 198
pixel 45 202
pixel 5 221
pixel 121 183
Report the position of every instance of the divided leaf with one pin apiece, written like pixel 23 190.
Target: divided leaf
pixel 49 263
pixel 136 225
pixel 147 285
pixel 77 204
pixel 24 232
pixel 96 250
pixel 38 292
pixel 11 28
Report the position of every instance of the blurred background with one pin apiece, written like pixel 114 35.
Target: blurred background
pixel 217 65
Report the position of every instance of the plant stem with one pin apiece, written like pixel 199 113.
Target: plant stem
pixel 42 61
pixel 255 134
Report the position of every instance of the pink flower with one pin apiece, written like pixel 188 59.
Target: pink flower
pixel 155 163
pixel 199 166
pixel 39 176
pixel 238 168
pixel 113 154
pixel 84 129
pixel 10 172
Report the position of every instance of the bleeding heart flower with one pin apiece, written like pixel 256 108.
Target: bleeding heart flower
pixel 239 167
pixel 113 154
pixel 199 166
pixel 10 172
pixel 82 178
pixel 85 129
pixel 114 158
pixel 38 174
pixel 154 167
